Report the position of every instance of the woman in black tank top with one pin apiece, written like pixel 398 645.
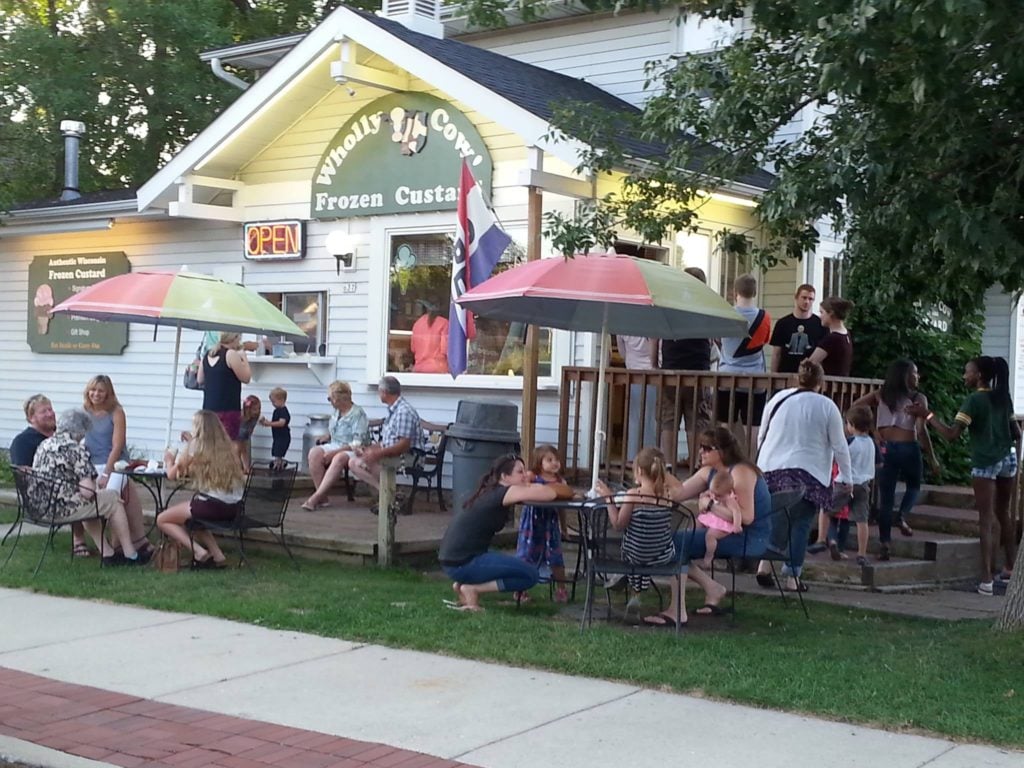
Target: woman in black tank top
pixel 464 554
pixel 224 370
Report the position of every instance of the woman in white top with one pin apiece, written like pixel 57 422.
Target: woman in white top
pixel 802 431
pixel 214 473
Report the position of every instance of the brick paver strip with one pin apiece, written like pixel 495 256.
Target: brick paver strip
pixel 131 732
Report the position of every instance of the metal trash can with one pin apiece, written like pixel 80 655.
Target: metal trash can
pixel 484 429
pixel 318 426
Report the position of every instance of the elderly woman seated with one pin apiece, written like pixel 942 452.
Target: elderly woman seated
pixel 64 458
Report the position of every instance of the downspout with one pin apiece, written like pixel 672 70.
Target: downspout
pixel 226 76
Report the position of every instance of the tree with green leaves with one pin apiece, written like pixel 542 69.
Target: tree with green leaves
pixel 130 70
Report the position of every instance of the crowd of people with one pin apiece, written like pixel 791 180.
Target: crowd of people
pixel 804 443
pixel 83 454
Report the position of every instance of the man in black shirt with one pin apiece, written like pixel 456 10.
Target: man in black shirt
pixel 796 335
pixel 42 424
pixel 684 355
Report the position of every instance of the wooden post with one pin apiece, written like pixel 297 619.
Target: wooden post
pixel 386 512
pixel 531 353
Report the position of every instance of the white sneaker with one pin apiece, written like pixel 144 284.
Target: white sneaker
pixel 985 588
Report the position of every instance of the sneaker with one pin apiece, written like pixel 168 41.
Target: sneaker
pixel 115 559
pixel 883 552
pixel 833 550
pixel 985 588
pixel 905 529
pixel 861 560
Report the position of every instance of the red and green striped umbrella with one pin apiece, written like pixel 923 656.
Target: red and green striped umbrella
pixel 606 294
pixel 619 294
pixel 181 299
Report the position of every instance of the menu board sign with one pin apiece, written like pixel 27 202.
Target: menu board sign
pixel 51 280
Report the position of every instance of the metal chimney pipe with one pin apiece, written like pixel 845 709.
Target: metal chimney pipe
pixel 72 130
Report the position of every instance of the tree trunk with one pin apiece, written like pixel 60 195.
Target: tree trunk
pixel 1012 617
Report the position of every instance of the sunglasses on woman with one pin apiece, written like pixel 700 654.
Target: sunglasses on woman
pixel 703 447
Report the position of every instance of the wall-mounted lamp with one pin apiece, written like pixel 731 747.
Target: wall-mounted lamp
pixel 339 244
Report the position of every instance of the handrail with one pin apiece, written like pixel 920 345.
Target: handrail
pixel 704 392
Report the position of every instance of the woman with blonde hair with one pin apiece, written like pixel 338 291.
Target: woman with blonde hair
pixel 328 459
pixel 213 472
pixel 106 442
pixel 224 370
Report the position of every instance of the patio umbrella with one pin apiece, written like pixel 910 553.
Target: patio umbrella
pixel 181 299
pixel 606 294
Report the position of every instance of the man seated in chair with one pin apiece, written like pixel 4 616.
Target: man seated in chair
pixel 64 459
pixel 400 433
pixel 42 423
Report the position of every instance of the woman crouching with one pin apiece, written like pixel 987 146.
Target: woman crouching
pixel 214 473
pixel 464 554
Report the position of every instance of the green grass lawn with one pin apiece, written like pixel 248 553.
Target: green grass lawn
pixel 958 679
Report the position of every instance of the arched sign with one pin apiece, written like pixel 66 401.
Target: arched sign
pixel 400 154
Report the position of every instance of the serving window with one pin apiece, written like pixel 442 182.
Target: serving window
pixel 306 310
pixel 419 285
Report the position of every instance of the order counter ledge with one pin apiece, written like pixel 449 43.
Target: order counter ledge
pixel 322 368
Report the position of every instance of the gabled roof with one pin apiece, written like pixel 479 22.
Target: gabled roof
pixel 516 95
pixel 539 90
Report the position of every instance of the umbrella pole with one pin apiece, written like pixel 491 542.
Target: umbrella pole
pixel 174 385
pixel 599 433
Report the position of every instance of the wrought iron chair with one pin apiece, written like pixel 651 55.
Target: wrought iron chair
pixel 602 546
pixel 752 542
pixel 264 505
pixel 37 499
pixel 781 545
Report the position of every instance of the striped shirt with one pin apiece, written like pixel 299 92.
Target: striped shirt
pixel 647 540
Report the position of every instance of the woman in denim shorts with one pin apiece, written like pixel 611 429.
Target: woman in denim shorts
pixel 987 415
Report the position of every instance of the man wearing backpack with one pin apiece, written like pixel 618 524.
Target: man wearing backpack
pixel 744 355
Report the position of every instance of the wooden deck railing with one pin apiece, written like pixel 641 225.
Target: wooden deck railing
pixel 702 393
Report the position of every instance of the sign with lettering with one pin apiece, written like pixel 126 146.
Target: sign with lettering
pixel 274 240
pixel 402 153
pixel 51 280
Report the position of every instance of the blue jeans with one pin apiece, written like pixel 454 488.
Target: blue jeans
pixel 801 515
pixel 511 573
pixel 900 459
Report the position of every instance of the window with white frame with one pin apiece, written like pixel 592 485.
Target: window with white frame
pixel 832 280
pixel 730 266
pixel 308 311
pixel 418 304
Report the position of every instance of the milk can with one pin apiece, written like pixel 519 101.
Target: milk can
pixel 318 427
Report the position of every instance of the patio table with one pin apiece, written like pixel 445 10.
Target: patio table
pixel 153 481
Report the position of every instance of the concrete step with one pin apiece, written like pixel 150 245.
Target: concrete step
pixel 954 496
pixel 952 520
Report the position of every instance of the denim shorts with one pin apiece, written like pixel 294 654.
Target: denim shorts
pixel 1005 467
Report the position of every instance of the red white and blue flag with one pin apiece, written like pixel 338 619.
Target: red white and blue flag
pixel 479 243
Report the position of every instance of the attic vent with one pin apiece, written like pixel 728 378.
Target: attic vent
pixel 418 15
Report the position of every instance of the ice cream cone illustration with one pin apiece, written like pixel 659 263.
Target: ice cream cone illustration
pixel 43 303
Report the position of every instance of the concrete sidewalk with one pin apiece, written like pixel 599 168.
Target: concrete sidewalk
pixel 470 712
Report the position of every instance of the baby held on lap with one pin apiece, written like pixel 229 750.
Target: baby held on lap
pixel 719 513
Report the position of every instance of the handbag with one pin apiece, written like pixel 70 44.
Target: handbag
pixel 190 378
pixel 165 559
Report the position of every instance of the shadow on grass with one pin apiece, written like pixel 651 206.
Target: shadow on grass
pixel 890 671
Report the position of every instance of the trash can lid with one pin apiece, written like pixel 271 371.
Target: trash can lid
pixel 471 432
pixel 488 413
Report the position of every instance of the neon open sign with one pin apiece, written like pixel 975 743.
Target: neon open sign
pixel 267 240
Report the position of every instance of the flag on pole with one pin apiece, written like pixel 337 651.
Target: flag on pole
pixel 479 243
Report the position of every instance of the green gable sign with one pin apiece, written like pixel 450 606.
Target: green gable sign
pixel 400 154
pixel 51 280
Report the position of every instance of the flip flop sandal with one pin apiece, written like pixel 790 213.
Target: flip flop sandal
pixel 712 610
pixel 81 550
pixel 665 621
pixel 463 608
